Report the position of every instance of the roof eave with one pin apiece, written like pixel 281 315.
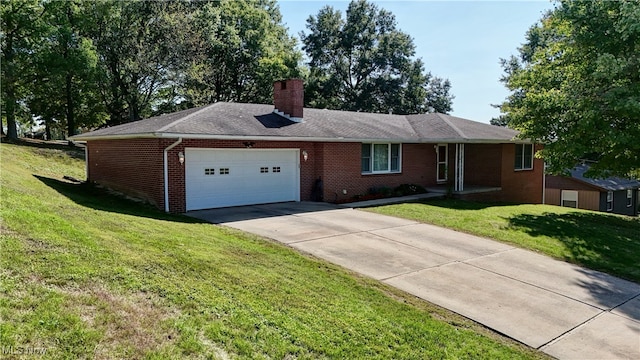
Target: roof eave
pixel 292 138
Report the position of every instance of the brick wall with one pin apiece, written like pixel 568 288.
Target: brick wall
pixel 482 164
pixel 133 167
pixel 341 170
pixel 524 186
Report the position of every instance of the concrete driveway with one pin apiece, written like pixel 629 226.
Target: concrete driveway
pixel 564 310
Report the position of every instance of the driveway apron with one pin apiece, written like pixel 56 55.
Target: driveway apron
pixel 561 309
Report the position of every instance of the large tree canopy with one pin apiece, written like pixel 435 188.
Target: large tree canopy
pixel 575 86
pixel 87 63
pixel 364 63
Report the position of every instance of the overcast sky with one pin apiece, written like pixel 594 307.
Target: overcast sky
pixel 459 40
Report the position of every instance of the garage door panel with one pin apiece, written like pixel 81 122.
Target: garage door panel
pixel 252 177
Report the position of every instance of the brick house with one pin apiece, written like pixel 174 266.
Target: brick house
pixel 615 195
pixel 229 154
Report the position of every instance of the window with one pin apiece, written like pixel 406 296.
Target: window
pixel 570 198
pixel 442 156
pixel 276 169
pixel 524 157
pixel 629 198
pixel 380 158
pixel 609 200
pixel 264 169
pixel 224 171
pixel 209 171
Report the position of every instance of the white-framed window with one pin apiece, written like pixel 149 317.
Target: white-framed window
pixel 524 157
pixel 380 158
pixel 609 200
pixel 629 197
pixel 442 157
pixel 569 198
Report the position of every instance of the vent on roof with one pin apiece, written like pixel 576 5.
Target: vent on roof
pixel 288 98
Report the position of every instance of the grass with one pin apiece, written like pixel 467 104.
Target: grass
pixel 600 241
pixel 87 275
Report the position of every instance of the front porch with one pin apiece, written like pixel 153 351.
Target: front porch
pixel 468 189
pixel 464 169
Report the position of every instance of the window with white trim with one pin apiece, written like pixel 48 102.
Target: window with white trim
pixel 569 198
pixel 380 158
pixel 629 197
pixel 524 157
pixel 609 200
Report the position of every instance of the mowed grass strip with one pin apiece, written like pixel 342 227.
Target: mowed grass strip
pixel 600 241
pixel 88 275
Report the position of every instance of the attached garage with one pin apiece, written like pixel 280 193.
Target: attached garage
pixel 217 178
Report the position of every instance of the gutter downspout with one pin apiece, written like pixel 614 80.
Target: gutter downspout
pixel 166 174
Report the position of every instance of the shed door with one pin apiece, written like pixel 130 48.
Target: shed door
pixel 231 177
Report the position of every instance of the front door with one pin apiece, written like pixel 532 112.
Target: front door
pixel 442 154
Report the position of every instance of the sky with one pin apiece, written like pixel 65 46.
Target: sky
pixel 462 41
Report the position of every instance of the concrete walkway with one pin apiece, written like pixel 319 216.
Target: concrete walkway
pixel 564 310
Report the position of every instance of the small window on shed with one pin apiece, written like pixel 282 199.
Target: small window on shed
pixel 264 169
pixel 629 198
pixel 276 169
pixel 209 171
pixel 224 171
pixel 609 200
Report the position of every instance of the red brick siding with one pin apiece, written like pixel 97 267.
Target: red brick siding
pixel 133 167
pixel 483 164
pixel 523 186
pixel 136 167
pixel 341 170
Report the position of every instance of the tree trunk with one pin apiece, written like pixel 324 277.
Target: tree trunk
pixel 10 91
pixel 71 125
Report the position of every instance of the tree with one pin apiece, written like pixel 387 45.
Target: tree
pixel 575 86
pixel 236 51
pixel 65 89
pixel 364 63
pixel 20 26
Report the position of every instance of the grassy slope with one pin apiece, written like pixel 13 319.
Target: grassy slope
pixel 599 241
pixel 88 275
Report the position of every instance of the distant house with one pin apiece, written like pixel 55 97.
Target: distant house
pixel 615 195
pixel 230 154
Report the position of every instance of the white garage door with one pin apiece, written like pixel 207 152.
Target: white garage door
pixel 233 177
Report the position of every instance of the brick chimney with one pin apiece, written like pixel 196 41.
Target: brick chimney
pixel 288 98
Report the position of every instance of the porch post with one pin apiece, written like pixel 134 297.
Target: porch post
pixel 459 168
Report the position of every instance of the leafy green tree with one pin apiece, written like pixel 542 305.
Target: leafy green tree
pixel 21 23
pixel 364 63
pixel 65 90
pixel 237 49
pixel 575 86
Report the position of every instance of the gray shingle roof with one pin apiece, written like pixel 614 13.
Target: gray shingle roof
pixel 609 184
pixel 230 120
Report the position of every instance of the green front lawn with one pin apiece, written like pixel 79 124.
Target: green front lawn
pixel 87 275
pixel 596 240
